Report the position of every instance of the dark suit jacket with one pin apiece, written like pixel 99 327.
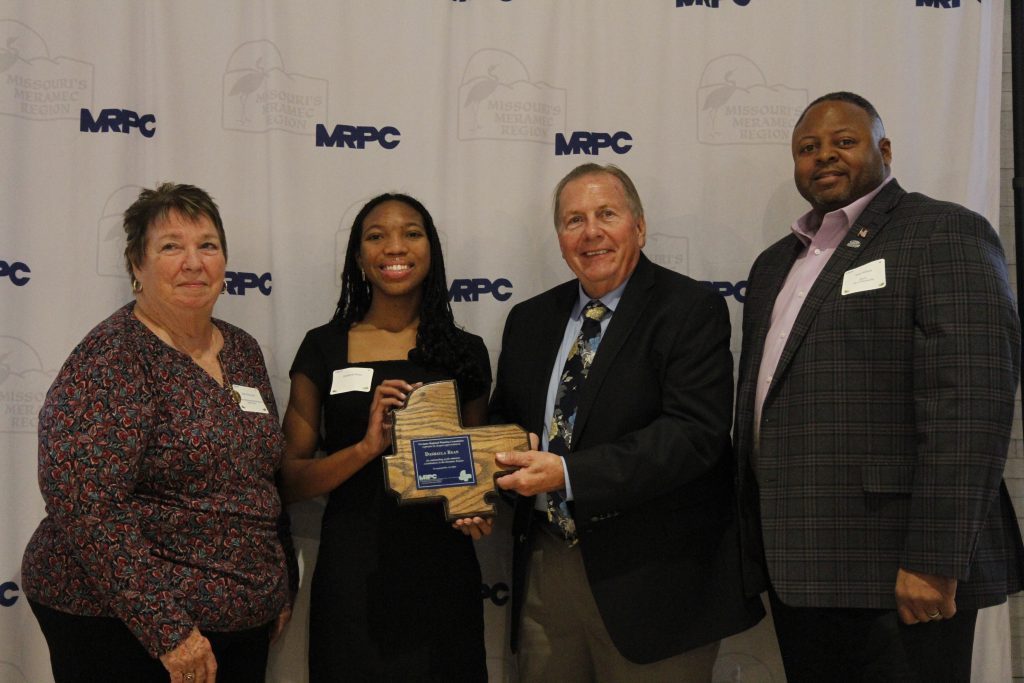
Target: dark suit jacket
pixel 651 464
pixel 885 431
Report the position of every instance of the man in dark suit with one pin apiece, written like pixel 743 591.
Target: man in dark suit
pixel 876 393
pixel 626 557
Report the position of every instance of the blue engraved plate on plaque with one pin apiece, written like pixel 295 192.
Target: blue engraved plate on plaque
pixel 443 461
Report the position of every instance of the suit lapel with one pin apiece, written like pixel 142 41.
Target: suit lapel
pixel 629 311
pixel 864 230
pixel 770 278
pixel 549 328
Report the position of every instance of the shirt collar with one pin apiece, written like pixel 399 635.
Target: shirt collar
pixel 806 227
pixel 611 299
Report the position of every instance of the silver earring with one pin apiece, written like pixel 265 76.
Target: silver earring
pixel 136 285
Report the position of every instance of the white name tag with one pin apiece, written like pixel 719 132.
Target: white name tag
pixel 867 277
pixel 249 399
pixel 351 379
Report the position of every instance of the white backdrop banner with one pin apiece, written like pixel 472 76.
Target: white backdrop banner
pixel 292 115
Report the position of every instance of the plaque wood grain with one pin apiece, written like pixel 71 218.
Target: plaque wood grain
pixel 432 411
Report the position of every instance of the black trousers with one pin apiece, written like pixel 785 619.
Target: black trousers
pixel 88 649
pixel 871 645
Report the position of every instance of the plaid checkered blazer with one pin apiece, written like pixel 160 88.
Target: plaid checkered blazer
pixel 885 431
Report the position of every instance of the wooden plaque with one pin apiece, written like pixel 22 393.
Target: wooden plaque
pixel 436 458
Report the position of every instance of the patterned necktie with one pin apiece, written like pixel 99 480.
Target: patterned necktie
pixel 577 366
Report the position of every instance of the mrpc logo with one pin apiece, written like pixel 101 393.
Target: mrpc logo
pixel 466 290
pixel 239 282
pixel 357 137
pixel 9 593
pixel 498 594
pixel 117 121
pixel 713 4
pixel 584 142
pixel 17 272
pixel 725 289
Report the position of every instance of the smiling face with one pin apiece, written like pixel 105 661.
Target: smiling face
pixel 183 264
pixel 394 252
pixel 839 155
pixel 598 234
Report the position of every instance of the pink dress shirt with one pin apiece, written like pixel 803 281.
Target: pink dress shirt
pixel 819 243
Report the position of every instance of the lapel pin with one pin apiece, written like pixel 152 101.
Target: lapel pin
pixel 853 244
pixel 863 232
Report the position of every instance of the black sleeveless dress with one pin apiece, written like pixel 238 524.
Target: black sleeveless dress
pixel 396 593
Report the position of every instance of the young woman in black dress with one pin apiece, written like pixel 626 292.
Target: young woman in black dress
pixel 396 589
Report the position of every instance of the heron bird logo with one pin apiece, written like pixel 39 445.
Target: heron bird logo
pixel 718 98
pixel 247 85
pixel 480 91
pixel 9 55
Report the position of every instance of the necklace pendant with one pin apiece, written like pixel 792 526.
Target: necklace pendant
pixel 235 395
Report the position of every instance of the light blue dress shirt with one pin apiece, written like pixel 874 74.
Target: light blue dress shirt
pixel 572 330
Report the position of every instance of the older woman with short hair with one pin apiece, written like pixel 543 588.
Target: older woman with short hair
pixel 162 555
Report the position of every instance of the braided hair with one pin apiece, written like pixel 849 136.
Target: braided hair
pixel 440 343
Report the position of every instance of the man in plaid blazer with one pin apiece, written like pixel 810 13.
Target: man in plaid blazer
pixel 876 394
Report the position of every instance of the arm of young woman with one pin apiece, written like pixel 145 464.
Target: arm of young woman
pixel 302 475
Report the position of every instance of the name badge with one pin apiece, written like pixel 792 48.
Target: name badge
pixel 249 399
pixel 443 461
pixel 351 379
pixel 865 278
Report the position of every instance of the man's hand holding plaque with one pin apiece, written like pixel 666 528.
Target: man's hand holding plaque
pixel 436 458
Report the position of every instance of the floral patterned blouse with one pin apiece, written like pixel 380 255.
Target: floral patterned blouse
pixel 160 498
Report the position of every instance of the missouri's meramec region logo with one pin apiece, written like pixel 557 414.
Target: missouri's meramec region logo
pixel 23 385
pixel 498 101
pixel 260 95
pixel 34 85
pixel 737 106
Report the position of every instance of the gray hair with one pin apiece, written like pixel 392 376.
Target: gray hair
pixel 632 196
pixel 154 205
